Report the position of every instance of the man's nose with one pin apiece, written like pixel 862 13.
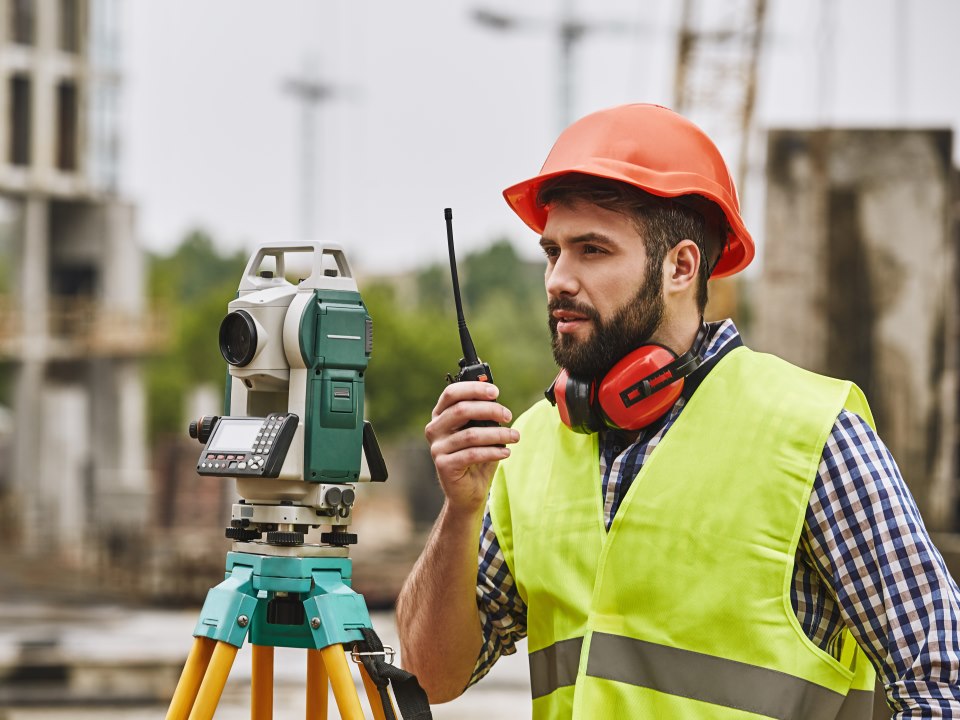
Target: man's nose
pixel 561 278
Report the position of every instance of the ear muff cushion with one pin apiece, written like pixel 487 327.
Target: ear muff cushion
pixel 573 402
pixel 634 366
pixel 559 388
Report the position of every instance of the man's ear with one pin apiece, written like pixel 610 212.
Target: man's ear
pixel 682 266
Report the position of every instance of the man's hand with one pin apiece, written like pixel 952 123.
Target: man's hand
pixel 440 630
pixel 466 457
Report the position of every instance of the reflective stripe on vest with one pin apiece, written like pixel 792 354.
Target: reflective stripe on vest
pixel 693 675
pixel 555 666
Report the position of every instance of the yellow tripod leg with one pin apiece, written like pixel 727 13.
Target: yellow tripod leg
pixel 190 678
pixel 373 696
pixel 316 686
pixel 261 683
pixel 344 690
pixel 213 681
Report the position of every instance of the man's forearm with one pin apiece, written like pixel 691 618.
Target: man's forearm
pixel 437 618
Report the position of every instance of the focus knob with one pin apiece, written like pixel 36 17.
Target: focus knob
pixel 202 428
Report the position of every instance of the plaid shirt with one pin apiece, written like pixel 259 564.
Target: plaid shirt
pixel 865 561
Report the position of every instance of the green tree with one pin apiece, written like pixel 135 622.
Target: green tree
pixel 417 343
pixel 193 285
pixel 510 322
pixel 413 350
pixel 498 271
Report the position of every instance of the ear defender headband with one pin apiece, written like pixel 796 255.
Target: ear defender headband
pixel 638 390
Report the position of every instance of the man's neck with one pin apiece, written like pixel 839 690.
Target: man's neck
pixel 678 335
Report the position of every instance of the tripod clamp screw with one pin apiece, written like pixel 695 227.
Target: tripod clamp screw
pixel 243 621
pixel 387 652
pixel 315 623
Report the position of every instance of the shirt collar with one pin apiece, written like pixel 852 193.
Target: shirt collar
pixel 722 337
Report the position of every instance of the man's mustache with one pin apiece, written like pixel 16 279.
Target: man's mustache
pixel 571 305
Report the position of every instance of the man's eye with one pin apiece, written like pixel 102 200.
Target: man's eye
pixel 592 250
pixel 551 252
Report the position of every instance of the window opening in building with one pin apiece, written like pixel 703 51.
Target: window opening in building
pixel 75 281
pixel 67 125
pixel 72 307
pixel 22 21
pixel 20 120
pixel 70 26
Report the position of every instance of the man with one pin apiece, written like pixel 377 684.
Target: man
pixel 695 530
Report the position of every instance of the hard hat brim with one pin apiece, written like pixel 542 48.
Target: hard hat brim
pixel 737 254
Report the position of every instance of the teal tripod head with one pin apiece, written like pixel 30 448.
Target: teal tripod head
pixel 292 432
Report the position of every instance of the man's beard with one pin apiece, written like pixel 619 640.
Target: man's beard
pixel 632 325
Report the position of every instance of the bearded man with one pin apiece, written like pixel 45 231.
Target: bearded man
pixel 687 529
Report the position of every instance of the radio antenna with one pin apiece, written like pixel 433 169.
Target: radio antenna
pixel 466 342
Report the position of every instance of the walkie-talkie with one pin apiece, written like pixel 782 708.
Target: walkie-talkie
pixel 471 367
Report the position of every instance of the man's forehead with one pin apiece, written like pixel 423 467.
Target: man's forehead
pixel 585 220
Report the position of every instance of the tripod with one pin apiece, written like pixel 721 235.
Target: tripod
pixel 281 601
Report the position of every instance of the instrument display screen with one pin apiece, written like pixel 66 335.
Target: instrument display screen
pixel 237 434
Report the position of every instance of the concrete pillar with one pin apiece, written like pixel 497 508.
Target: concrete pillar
pixel 120 474
pixel 123 265
pixel 119 407
pixel 33 289
pixel 64 470
pixel 858 282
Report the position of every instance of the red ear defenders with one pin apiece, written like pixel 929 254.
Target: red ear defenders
pixel 639 389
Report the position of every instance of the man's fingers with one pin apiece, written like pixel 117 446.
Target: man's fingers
pixel 468 390
pixel 454 465
pixel 474 437
pixel 457 416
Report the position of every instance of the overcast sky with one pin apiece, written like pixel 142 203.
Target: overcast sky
pixel 434 110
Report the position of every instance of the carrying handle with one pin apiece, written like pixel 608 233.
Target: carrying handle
pixel 319 278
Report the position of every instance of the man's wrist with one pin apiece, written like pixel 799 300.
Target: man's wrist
pixel 457 515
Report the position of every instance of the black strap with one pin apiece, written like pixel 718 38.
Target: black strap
pixel 411 698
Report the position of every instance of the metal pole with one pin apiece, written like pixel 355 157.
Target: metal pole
pixel 309 92
pixel 568 36
pixel 307 145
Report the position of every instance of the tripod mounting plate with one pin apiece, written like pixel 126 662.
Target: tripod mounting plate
pixel 291 551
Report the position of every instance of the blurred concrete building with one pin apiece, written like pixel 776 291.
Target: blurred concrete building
pixel 860 281
pixel 73 325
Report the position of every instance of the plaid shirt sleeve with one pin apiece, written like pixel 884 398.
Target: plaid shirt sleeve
pixel 866 539
pixel 503 613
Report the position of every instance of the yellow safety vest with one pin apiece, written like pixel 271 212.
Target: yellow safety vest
pixel 683 609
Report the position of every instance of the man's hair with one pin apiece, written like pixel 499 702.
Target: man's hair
pixel 662 222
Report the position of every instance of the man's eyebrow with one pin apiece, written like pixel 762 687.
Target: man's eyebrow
pixel 590 237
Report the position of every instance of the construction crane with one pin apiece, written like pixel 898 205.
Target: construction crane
pixel 718 51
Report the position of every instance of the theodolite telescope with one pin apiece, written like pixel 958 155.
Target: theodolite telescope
pixel 292 432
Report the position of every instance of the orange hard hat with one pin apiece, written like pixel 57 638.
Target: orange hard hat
pixel 652 148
